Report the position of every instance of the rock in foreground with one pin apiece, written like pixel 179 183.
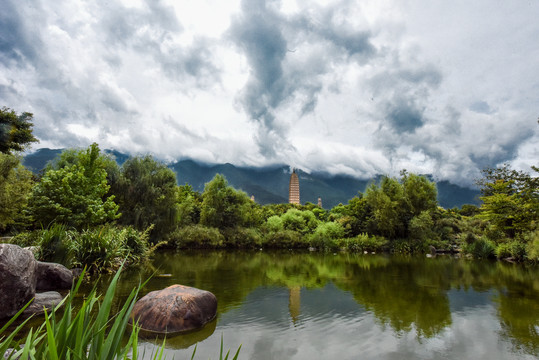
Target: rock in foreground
pixel 17 278
pixel 175 309
pixel 52 276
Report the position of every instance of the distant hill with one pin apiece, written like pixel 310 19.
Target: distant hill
pixel 269 184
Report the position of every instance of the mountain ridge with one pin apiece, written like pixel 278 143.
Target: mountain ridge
pixel 269 184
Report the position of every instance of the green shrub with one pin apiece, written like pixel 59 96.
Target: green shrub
pixel 292 220
pixel 482 248
pixel 364 242
pixel 137 242
pixel 274 223
pixel 55 245
pixel 285 239
pixel 240 237
pixel 514 249
pixel 196 236
pixel 533 246
pixel 326 235
pixel 98 249
pixel 407 246
pixel 27 238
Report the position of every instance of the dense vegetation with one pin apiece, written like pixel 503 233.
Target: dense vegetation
pixel 86 210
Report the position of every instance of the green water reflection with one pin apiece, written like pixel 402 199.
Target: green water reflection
pixel 413 298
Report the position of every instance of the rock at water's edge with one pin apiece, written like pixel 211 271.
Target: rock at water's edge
pixel 52 276
pixel 175 309
pixel 17 278
pixel 45 300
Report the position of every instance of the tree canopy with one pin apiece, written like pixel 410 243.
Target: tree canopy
pixel 146 191
pixel 73 191
pixel 15 130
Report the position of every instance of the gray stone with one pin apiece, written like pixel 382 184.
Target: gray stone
pixel 51 276
pixel 17 278
pixel 45 300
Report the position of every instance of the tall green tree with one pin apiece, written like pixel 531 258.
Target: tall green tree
pixel 15 187
pixel 146 191
pixel 510 199
pixel 225 207
pixel 15 130
pixel 394 204
pixel 73 191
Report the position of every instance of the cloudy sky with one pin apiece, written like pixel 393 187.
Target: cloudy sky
pixel 354 87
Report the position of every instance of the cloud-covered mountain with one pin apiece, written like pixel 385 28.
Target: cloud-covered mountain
pixel 340 86
pixel 270 184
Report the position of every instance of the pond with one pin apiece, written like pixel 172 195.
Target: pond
pixel 289 305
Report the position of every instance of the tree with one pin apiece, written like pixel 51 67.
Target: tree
pixel 146 191
pixel 15 188
pixel 73 191
pixel 15 130
pixel 225 207
pixel 189 204
pixel 395 203
pixel 510 199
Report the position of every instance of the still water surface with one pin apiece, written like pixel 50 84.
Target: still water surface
pixel 283 305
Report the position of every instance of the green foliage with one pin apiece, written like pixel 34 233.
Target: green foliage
pixel 421 227
pixel 15 187
pixel 15 131
pixel 74 192
pixel 326 235
pixel 394 204
pixel 243 238
pixel 364 242
pixel 510 200
pixel 189 206
pixel 514 249
pixel 224 207
pixel 91 332
pixel 196 236
pixel 304 222
pixel 104 248
pixel 533 246
pixel 274 223
pixel 481 248
pixel 285 239
pixel 146 191
pixel 55 244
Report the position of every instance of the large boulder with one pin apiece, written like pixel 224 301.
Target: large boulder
pixel 175 309
pixel 17 278
pixel 52 276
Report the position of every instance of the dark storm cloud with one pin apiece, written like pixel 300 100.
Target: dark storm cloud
pixel 404 114
pixel 147 30
pixel 17 43
pixel 279 71
pixel 403 94
pixel 481 107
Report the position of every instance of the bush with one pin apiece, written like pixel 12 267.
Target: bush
pixel 482 248
pixel 98 249
pixel 105 247
pixel 196 236
pixel 240 237
pixel 407 246
pixel 55 245
pixel 514 249
pixel 326 234
pixel 533 246
pixel 364 242
pixel 274 223
pixel 285 239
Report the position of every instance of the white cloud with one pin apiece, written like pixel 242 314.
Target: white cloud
pixel 356 87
